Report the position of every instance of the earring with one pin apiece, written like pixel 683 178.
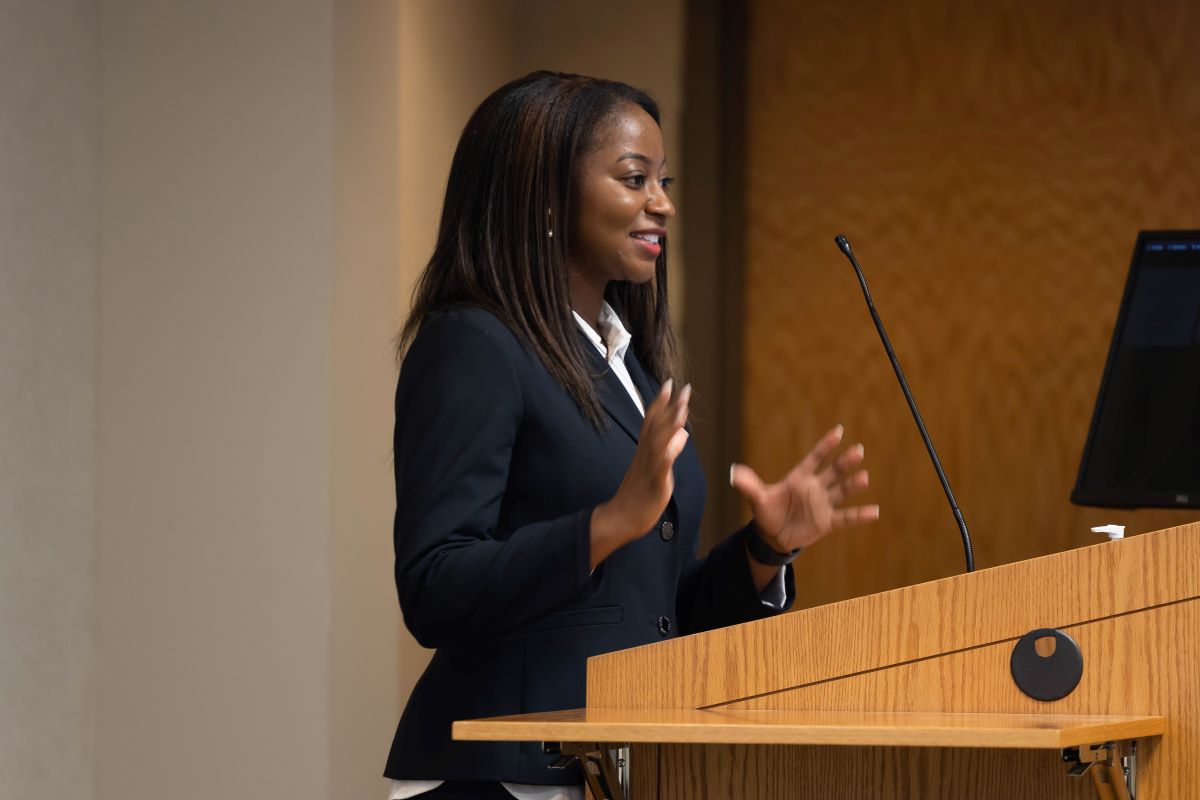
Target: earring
pixel 549 223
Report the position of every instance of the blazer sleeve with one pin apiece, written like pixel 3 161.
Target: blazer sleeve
pixel 459 577
pixel 719 590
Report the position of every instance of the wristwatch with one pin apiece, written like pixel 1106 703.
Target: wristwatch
pixel 762 552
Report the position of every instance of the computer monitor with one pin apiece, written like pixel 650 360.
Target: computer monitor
pixel 1143 449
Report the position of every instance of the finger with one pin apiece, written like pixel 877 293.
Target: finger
pixel 843 465
pixel 655 409
pixel 676 445
pixel 827 444
pixel 855 515
pixel 746 481
pixel 664 397
pixel 681 415
pixel 672 418
pixel 848 486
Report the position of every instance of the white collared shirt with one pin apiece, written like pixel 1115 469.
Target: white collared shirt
pixel 612 347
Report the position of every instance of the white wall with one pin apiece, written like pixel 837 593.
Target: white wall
pixel 48 177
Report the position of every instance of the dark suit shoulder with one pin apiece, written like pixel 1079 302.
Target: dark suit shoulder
pixel 467 326
pixel 463 346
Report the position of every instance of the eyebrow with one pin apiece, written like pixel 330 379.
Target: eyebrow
pixel 637 157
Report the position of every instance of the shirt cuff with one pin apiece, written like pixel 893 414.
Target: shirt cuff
pixel 775 595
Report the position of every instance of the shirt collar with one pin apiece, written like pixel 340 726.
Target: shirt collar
pixel 615 339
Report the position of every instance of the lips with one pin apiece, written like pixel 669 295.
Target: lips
pixel 648 243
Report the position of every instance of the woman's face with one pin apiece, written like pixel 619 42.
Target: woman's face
pixel 621 205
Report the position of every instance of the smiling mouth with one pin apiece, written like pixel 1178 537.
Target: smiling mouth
pixel 649 243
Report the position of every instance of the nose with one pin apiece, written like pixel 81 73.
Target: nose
pixel 659 203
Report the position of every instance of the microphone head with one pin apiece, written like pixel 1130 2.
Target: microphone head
pixel 843 244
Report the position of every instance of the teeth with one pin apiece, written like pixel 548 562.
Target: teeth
pixel 649 237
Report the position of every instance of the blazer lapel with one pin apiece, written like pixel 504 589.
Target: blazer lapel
pixel 616 401
pixel 646 386
pixel 649 389
pixel 613 396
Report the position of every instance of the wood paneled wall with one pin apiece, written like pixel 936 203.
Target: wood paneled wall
pixel 991 164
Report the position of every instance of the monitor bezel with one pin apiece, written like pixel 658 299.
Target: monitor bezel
pixel 1089 497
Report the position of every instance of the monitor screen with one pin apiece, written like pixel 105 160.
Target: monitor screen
pixel 1143 449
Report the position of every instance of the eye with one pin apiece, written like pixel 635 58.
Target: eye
pixel 636 180
pixel 666 183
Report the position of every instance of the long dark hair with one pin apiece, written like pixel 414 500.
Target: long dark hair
pixel 517 158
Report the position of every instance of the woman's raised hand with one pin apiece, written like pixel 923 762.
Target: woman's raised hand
pixel 649 481
pixel 807 503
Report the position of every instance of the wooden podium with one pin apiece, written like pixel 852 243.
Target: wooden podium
pixel 910 694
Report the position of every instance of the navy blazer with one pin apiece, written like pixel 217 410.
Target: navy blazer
pixel 497 474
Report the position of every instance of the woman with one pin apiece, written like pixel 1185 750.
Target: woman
pixel 548 498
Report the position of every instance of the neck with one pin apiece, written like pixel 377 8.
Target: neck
pixel 586 298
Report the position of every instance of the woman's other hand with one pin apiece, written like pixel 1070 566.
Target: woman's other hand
pixel 807 504
pixel 649 481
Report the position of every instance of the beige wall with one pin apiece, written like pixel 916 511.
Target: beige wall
pixel 48 174
pixel 362 642
pixel 248 301
pixel 217 618
pixel 215 396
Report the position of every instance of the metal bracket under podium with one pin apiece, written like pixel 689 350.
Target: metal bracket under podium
pixel 605 779
pixel 609 780
pixel 1113 780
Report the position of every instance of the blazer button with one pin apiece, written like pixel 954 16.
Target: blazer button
pixel 667 530
pixel 664 625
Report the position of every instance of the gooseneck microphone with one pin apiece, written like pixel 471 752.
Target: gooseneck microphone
pixel 844 246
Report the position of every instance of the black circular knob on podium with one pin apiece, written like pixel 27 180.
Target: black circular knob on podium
pixel 1046 664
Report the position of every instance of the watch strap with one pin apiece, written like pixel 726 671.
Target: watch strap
pixel 762 552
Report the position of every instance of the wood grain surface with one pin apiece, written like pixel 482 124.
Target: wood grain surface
pixel 1143 662
pixel 991 164
pixel 902 625
pixel 1140 663
pixel 743 725
pixel 1133 606
pixel 738 772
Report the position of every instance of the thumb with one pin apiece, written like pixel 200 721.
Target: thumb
pixel 746 481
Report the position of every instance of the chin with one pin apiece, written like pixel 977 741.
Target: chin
pixel 640 273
